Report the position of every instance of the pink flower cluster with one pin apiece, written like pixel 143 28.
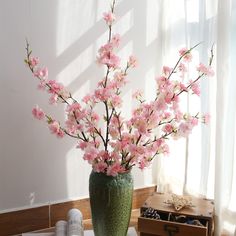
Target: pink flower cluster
pixel 123 143
pixel 57 91
pixel 107 55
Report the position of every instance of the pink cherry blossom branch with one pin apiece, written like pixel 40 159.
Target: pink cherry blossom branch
pixel 100 135
pixel 96 131
pixel 108 117
pixel 50 120
pixel 29 52
pixel 123 153
pixel 151 141
pixel 189 86
pixel 138 139
pixel 164 136
pixel 27 61
pixel 212 55
pixel 117 115
pixel 157 153
pixel 126 142
pixel 109 17
pixel 181 57
pixel 110 26
pixel 166 122
pixel 200 76
pixel 82 132
pixel 107 125
pixel 109 40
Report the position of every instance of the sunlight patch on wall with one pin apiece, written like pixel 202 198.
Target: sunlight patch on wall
pixel 83 90
pixel 76 67
pixel 70 24
pixel 124 23
pixel 153 13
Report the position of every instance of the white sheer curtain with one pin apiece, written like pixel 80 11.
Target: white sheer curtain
pixel 205 164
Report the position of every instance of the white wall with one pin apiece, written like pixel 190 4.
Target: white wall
pixel 35 167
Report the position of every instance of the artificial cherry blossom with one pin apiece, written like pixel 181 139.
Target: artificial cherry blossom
pixel 111 142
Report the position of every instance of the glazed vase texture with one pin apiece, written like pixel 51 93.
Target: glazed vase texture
pixel 111 203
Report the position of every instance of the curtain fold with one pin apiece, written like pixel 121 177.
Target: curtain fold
pixel 222 161
pixel 209 170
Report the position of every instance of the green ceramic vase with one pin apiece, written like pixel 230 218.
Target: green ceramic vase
pixel 111 203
